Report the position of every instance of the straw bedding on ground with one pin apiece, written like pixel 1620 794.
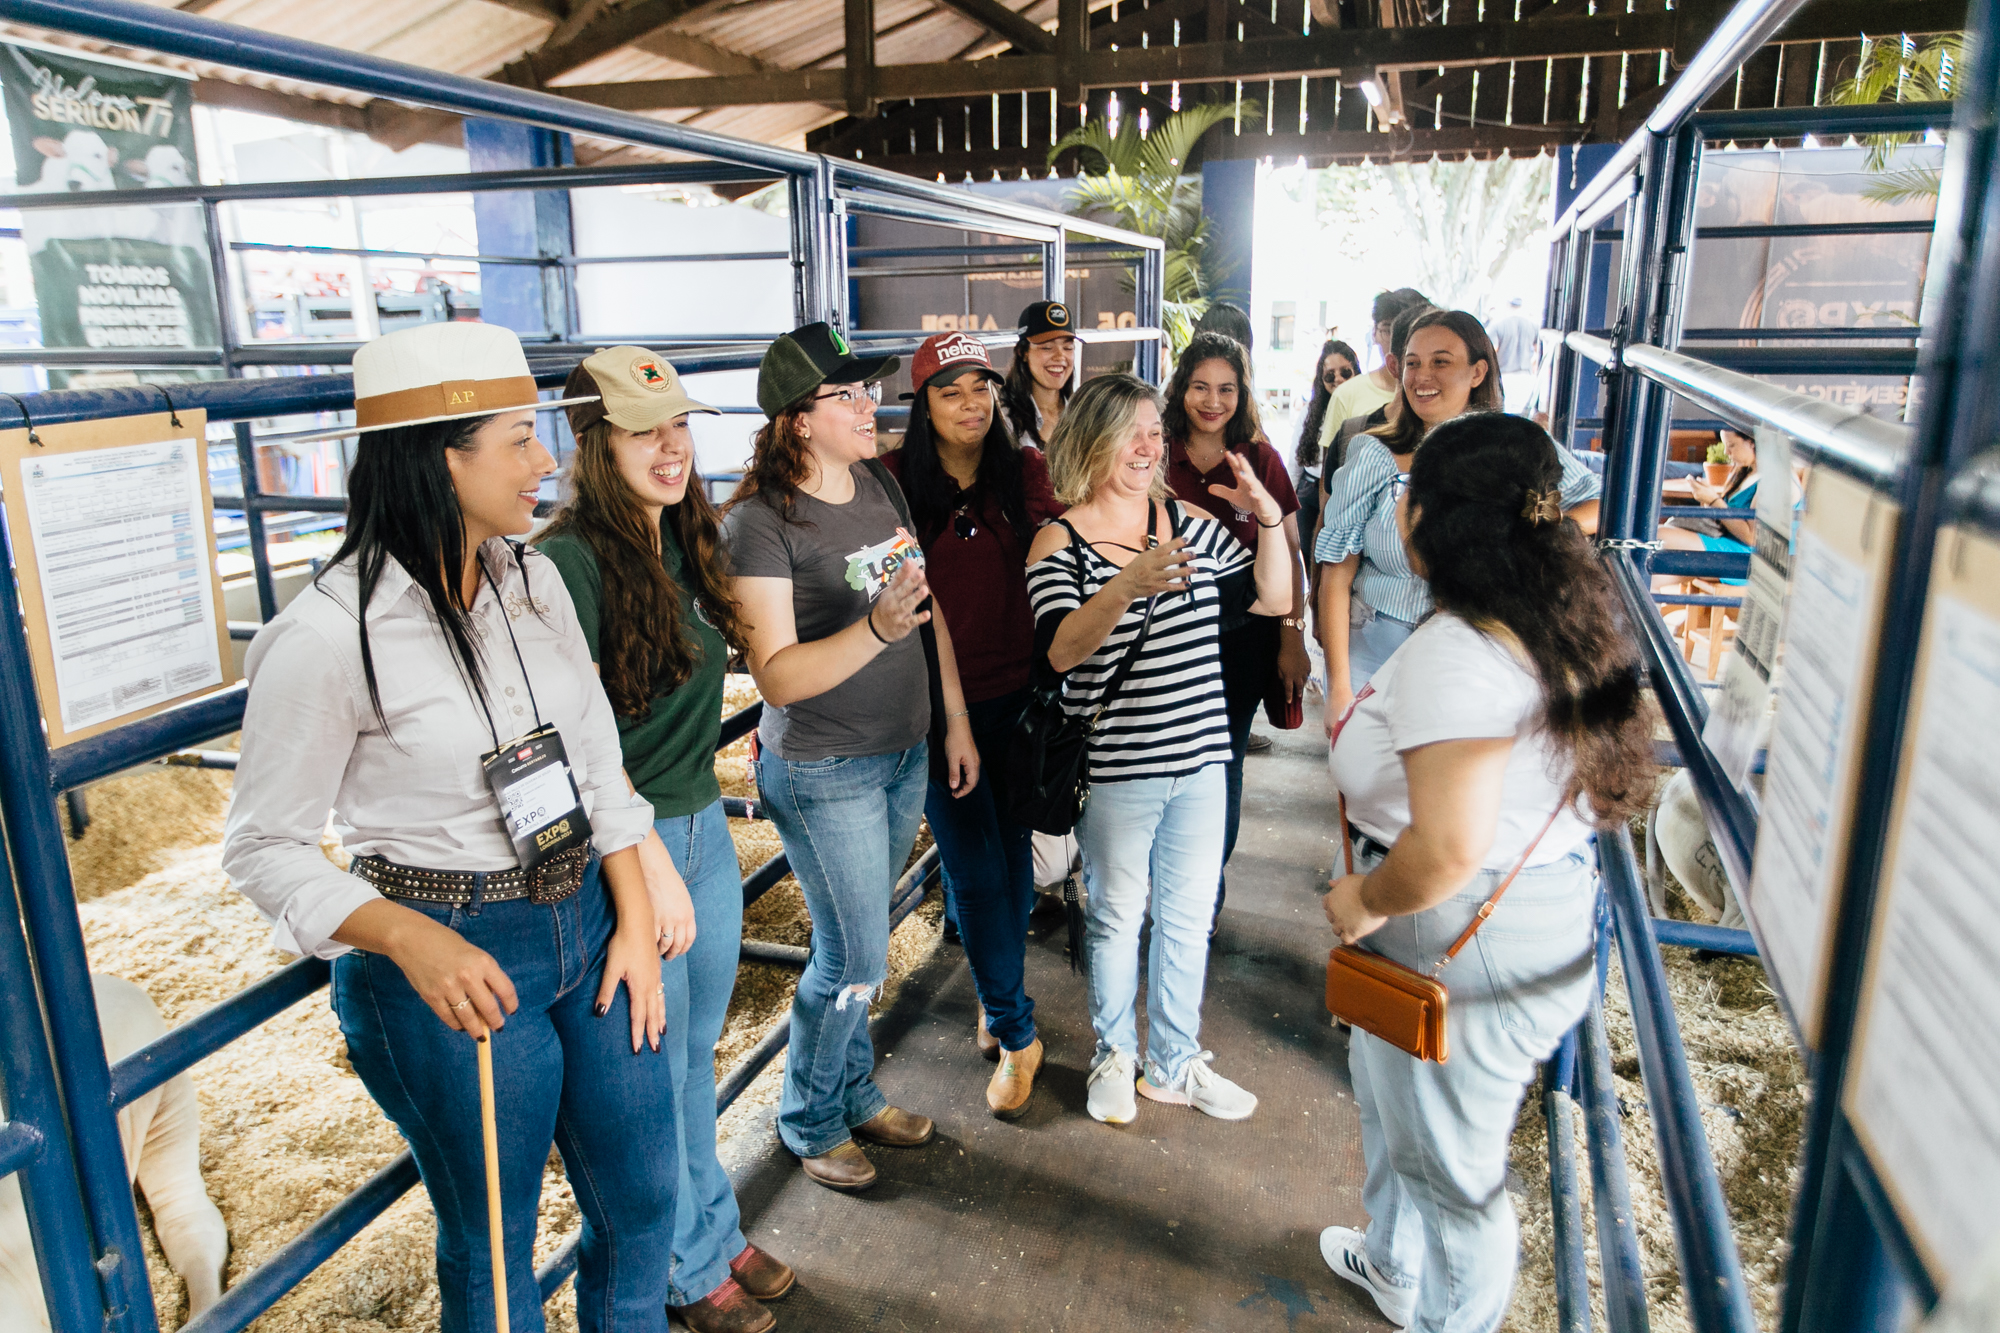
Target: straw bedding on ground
pixel 287 1129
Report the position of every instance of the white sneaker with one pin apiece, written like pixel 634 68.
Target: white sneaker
pixel 1205 1090
pixel 1110 1098
pixel 1346 1253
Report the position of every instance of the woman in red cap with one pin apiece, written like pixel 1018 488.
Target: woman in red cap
pixel 977 499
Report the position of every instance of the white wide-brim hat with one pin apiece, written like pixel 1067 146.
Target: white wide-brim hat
pixel 438 372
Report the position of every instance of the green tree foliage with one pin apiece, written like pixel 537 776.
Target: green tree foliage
pixel 1467 219
pixel 1142 183
pixel 1897 69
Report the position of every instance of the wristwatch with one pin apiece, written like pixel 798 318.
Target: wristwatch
pixel 1294 622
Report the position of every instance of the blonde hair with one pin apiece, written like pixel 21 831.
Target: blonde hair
pixel 1088 435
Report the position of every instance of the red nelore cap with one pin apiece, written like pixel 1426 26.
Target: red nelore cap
pixel 955 352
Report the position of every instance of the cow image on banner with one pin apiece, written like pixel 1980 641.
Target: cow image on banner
pixel 121 277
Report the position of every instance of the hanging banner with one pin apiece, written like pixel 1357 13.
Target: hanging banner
pixel 113 278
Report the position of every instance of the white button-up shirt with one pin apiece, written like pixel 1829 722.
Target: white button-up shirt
pixel 414 794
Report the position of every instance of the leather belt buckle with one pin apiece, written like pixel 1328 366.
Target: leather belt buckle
pixel 558 877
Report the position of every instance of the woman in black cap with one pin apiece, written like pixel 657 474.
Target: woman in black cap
pixel 1039 383
pixel 829 587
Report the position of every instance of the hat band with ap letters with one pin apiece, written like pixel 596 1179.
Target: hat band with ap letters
pixel 452 398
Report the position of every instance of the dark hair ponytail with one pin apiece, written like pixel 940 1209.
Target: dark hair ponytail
pixel 402 506
pixel 1483 495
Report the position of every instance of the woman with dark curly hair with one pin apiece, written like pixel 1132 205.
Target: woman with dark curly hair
pixel 1510 725
pixel 639 546
pixel 1337 365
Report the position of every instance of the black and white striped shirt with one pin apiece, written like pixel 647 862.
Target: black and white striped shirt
pixel 1168 719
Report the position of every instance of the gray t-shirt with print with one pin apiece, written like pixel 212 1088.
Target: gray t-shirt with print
pixel 839 559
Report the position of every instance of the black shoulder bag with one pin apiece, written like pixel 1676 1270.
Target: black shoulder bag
pixel 1048 761
pixel 926 631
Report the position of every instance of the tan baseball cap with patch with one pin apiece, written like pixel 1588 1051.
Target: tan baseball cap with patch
pixel 636 389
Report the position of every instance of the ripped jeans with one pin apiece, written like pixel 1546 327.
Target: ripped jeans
pixel 848 825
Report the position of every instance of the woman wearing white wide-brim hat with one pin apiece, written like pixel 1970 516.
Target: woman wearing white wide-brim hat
pixel 432 689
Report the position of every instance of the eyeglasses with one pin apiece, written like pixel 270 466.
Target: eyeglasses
pixel 872 391
pixel 1399 486
pixel 964 525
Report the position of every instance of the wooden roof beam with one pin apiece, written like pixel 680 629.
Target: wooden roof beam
pixel 1321 54
pixel 1023 34
pixel 609 31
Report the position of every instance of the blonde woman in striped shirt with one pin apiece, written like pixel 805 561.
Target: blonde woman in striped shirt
pixel 1153 824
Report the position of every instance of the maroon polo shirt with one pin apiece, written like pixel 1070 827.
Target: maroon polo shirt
pixel 981 583
pixel 1191 487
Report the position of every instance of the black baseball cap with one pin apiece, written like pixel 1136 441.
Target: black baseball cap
pixel 808 357
pixel 1044 317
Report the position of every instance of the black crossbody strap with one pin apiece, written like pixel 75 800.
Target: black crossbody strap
pixel 1124 667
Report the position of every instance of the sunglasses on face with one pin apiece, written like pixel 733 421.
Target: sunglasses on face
pixel 1337 376
pixel 848 397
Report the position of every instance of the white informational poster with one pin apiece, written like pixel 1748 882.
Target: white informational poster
pixel 114 554
pixel 1832 621
pixel 1924 1090
pixel 127 581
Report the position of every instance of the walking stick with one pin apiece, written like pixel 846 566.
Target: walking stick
pixel 495 1236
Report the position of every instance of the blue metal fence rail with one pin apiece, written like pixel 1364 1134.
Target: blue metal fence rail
pixel 1852 1265
pixel 61 1096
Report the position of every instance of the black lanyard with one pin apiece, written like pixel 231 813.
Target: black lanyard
pixel 527 591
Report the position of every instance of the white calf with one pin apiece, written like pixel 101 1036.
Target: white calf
pixel 161 1133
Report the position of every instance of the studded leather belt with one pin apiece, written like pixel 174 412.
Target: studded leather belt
pixel 550 882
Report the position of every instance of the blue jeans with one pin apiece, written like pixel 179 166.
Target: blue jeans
pixel 847 825
pixel 560 1073
pixel 1435 1136
pixel 708 1230
pixel 989 865
pixel 1157 839
pixel 1371 640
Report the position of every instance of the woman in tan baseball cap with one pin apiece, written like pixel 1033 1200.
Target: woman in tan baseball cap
pixel 638 545
pixel 434 690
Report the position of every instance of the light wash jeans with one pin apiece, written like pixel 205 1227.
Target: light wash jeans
pixel 848 825
pixel 561 1072
pixel 1157 839
pixel 1435 1136
pixel 708 1230
pixel 1371 638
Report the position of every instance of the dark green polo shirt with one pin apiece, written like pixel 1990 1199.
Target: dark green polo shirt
pixel 670 751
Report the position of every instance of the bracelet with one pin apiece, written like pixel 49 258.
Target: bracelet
pixel 1279 524
pixel 870 618
pixel 963 712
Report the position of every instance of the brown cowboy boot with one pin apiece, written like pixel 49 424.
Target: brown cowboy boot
pixel 727 1309
pixel 762 1276
pixel 845 1168
pixel 893 1128
pixel 1008 1090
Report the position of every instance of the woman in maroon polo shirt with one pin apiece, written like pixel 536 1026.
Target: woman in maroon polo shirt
pixel 1209 416
pixel 977 498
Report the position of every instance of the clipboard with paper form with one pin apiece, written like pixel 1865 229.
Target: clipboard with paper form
pixel 1832 626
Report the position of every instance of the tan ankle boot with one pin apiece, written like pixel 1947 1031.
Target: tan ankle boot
pixel 983 1038
pixel 1008 1091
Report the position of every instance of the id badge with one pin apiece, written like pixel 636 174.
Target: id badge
pixel 536 791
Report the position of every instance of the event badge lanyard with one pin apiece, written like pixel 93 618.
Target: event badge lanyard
pixel 530 775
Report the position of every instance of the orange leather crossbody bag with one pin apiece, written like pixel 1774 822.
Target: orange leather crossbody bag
pixel 1402 1006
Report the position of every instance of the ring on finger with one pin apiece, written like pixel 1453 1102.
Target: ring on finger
pixel 461 1004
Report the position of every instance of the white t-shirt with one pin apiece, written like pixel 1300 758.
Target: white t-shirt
pixel 1450 682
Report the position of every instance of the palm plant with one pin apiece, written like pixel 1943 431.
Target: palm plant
pixel 1898 70
pixel 1142 182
